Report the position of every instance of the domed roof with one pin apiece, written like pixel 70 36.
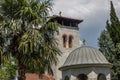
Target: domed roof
pixel 85 56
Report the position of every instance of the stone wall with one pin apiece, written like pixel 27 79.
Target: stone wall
pixel 91 72
pixel 65 51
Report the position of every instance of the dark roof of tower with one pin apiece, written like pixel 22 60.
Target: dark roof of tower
pixel 85 56
pixel 67 18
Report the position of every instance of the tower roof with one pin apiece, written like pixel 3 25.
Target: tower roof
pixel 67 21
pixel 85 56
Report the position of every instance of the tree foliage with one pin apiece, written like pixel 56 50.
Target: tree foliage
pixel 114 26
pixel 106 46
pixel 27 35
pixel 109 42
pixel 8 70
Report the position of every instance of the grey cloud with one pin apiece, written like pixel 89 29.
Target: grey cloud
pixel 94 12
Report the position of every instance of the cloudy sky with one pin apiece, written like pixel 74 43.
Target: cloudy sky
pixel 93 12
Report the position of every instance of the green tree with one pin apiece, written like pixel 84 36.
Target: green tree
pixel 28 35
pixel 114 31
pixel 109 42
pixel 8 70
pixel 114 26
pixel 106 46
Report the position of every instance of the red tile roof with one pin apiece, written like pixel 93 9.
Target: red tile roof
pixel 34 76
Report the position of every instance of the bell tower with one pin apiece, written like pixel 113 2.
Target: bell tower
pixel 68 40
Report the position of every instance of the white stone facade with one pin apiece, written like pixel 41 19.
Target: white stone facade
pixel 74 31
pixel 91 72
pixel 78 63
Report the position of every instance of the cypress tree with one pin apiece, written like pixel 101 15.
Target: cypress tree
pixel 106 46
pixel 113 28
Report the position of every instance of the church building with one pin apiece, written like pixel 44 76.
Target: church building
pixel 68 40
pixel 78 63
pixel 75 63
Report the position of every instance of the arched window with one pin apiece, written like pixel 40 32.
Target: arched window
pixel 82 77
pixel 66 78
pixel 70 41
pixel 64 40
pixel 101 77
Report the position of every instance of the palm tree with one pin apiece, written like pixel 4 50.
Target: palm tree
pixel 28 35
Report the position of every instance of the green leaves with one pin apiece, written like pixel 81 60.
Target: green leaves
pixel 30 41
pixel 8 70
pixel 109 42
pixel 114 26
pixel 28 34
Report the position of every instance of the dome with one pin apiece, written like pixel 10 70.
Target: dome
pixel 85 56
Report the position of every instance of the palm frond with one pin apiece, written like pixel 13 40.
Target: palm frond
pixel 31 45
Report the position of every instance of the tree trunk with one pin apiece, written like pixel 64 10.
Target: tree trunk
pixel 21 72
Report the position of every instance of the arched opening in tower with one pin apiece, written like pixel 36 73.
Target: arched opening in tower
pixel 70 41
pixel 64 40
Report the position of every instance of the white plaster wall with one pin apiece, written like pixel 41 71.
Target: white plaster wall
pixel 65 51
pixel 91 72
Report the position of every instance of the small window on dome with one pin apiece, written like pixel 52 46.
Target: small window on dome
pixel 64 40
pixel 70 41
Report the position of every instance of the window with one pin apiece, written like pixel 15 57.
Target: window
pixel 66 78
pixel 82 77
pixel 70 41
pixel 101 77
pixel 64 40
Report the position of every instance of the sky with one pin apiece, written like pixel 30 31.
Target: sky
pixel 93 12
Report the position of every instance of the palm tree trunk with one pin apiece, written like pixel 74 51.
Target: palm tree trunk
pixel 21 72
